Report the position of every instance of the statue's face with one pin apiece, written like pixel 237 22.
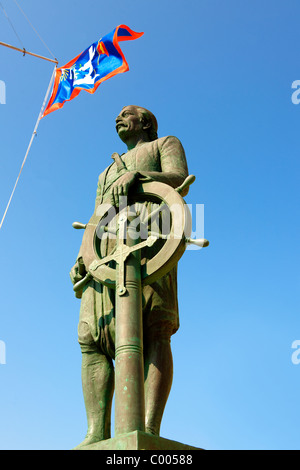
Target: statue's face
pixel 129 122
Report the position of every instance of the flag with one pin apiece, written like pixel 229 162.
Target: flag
pixel 101 61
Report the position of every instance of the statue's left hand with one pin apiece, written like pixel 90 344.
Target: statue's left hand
pixel 122 186
pixel 77 272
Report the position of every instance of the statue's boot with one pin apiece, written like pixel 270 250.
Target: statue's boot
pixel 98 388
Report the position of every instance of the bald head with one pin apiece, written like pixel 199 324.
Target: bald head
pixel 136 122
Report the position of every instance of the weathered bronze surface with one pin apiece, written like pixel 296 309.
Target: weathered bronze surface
pixel 128 286
pixel 138 440
pixel 129 360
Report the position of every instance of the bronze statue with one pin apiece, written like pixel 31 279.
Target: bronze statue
pixel 148 158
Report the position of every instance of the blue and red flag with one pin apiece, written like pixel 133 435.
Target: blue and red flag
pixel 101 61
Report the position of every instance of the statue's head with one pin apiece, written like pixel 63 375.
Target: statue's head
pixel 136 121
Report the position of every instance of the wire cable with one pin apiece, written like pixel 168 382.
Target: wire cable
pixel 42 40
pixel 12 26
pixel 30 144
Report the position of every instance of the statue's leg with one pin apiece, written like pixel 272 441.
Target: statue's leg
pixel 98 388
pixel 158 376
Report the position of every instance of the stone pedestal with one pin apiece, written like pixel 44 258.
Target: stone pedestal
pixel 138 440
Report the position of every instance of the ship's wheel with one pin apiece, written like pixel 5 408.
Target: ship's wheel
pixel 161 220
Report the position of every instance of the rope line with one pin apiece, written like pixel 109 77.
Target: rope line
pixel 12 26
pixel 42 40
pixel 30 144
pixel 34 134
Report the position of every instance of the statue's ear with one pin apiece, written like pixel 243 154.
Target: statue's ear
pixel 146 125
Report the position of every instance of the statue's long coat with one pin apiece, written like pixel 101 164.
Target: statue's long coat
pixel 165 157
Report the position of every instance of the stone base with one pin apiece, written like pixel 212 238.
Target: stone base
pixel 138 440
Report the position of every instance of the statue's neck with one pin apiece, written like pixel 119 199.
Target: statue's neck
pixel 136 142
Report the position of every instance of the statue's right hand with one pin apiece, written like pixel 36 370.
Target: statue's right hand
pixel 77 272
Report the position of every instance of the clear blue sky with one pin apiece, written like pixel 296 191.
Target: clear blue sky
pixel 217 75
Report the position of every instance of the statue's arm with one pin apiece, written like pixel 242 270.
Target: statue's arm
pixel 173 163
